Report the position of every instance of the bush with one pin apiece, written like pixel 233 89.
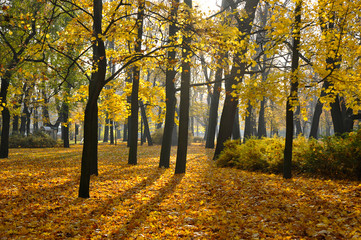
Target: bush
pixel 256 154
pixel 335 157
pixel 332 157
pixel 36 140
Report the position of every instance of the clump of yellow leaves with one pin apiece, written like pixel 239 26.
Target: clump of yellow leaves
pixel 38 199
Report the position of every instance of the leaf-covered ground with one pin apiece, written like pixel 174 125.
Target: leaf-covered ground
pixel 38 200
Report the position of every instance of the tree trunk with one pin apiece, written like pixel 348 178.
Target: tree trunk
pixel 5 128
pixel 262 132
pixel 248 123
pixel 133 133
pixel 106 130
pixel 236 132
pixel 36 120
pixel 65 126
pixel 89 162
pixel 125 132
pixel 297 121
pixel 23 122
pixel 181 160
pixel 15 124
pixel 213 109
pixel 111 132
pixel 146 125
pixel 287 165
pixel 170 94
pixel 237 73
pixel 316 119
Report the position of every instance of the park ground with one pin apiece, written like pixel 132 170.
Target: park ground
pixel 39 187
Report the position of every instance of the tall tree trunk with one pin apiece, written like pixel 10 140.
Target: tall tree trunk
pixel 133 133
pixel 36 119
pixel 125 132
pixel 213 109
pixel 65 116
pixel 262 132
pixel 237 73
pixel 16 118
pixel 146 125
pixel 65 126
pixel 111 132
pixel 316 117
pixel 5 128
pixel 89 162
pixel 106 129
pixel 181 160
pixel 287 164
pixel 236 132
pixel 170 93
pixel 297 120
pixel 248 123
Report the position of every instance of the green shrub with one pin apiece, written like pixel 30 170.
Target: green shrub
pixel 331 157
pixel 335 157
pixel 36 140
pixel 256 154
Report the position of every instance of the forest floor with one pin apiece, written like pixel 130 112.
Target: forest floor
pixel 39 187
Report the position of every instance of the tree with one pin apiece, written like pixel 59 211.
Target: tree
pixel 97 82
pixel 17 36
pixel 170 90
pixel 292 98
pixel 184 98
pixel 244 25
pixel 133 133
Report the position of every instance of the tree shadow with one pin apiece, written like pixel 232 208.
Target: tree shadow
pixel 143 211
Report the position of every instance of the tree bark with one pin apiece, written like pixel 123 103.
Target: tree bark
pixel 170 93
pixel 5 128
pixel 65 126
pixel 248 123
pixel 146 125
pixel 106 130
pixel 262 132
pixel 287 165
pixel 213 110
pixel 236 132
pixel 111 132
pixel 181 160
pixel 297 121
pixel 133 133
pixel 89 162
